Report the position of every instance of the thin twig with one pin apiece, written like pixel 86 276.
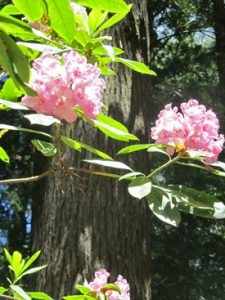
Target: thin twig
pixel 27 179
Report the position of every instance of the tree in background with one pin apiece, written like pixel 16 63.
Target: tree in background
pixel 84 222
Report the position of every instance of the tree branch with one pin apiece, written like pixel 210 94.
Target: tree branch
pixel 27 179
pixel 8 297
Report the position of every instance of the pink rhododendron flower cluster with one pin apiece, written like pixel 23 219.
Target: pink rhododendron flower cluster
pixel 192 128
pixel 63 83
pixel 98 286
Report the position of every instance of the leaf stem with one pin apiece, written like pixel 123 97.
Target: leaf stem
pixel 167 164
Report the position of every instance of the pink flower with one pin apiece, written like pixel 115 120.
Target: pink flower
pixel 64 83
pixel 98 285
pixel 192 128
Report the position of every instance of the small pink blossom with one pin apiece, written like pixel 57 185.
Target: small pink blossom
pixel 64 83
pixel 98 285
pixel 192 128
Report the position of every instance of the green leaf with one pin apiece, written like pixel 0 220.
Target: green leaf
pixel 33 10
pixel 134 148
pixel 8 256
pixel 79 297
pixel 162 206
pixel 33 270
pixel 110 286
pixel 41 119
pixel 197 202
pixel 10 9
pixel 10 91
pixel 113 20
pixel 130 175
pixel 62 18
pixel 39 295
pixel 95 18
pixel 13 105
pixel 11 25
pixel 31 260
pixel 108 163
pixel 47 149
pixel 2 290
pixel 16 261
pixel 40 47
pixel 140 187
pixel 18 62
pixel 3 155
pixel 114 132
pixel 82 289
pixel 158 149
pixel 20 292
pixel 9 127
pixel 113 6
pixel 77 145
pixel 135 65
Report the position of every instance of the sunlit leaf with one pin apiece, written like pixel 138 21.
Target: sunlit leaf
pixel 108 163
pixel 47 149
pixel 13 105
pixel 41 119
pixel 134 148
pixel 113 6
pixel 33 10
pixel 3 155
pixel 20 292
pixel 62 18
pixel 140 187
pixel 135 65
pixel 39 295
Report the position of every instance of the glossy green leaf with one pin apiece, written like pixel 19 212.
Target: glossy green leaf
pixel 33 270
pixel 8 256
pixel 31 260
pixel 197 202
pixel 3 155
pixel 33 10
pixel 135 65
pixel 108 163
pixel 11 25
pixel 140 187
pixel 40 47
pixel 162 207
pixel 134 148
pixel 95 18
pixel 79 297
pixel 82 289
pixel 78 145
pixel 39 295
pixel 41 119
pixel 158 149
pixel 9 127
pixel 2 290
pixel 10 9
pixel 130 175
pixel 62 18
pixel 10 91
pixel 114 132
pixel 47 149
pixel 16 261
pixel 13 105
pixel 113 20
pixel 113 6
pixel 18 290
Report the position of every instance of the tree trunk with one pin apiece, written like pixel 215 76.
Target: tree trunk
pixel 219 26
pixel 84 222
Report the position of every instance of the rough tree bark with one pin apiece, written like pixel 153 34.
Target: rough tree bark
pixel 86 222
pixel 219 26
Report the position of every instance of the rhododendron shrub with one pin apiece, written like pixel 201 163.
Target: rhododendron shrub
pixel 193 127
pixel 64 83
pixel 119 290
